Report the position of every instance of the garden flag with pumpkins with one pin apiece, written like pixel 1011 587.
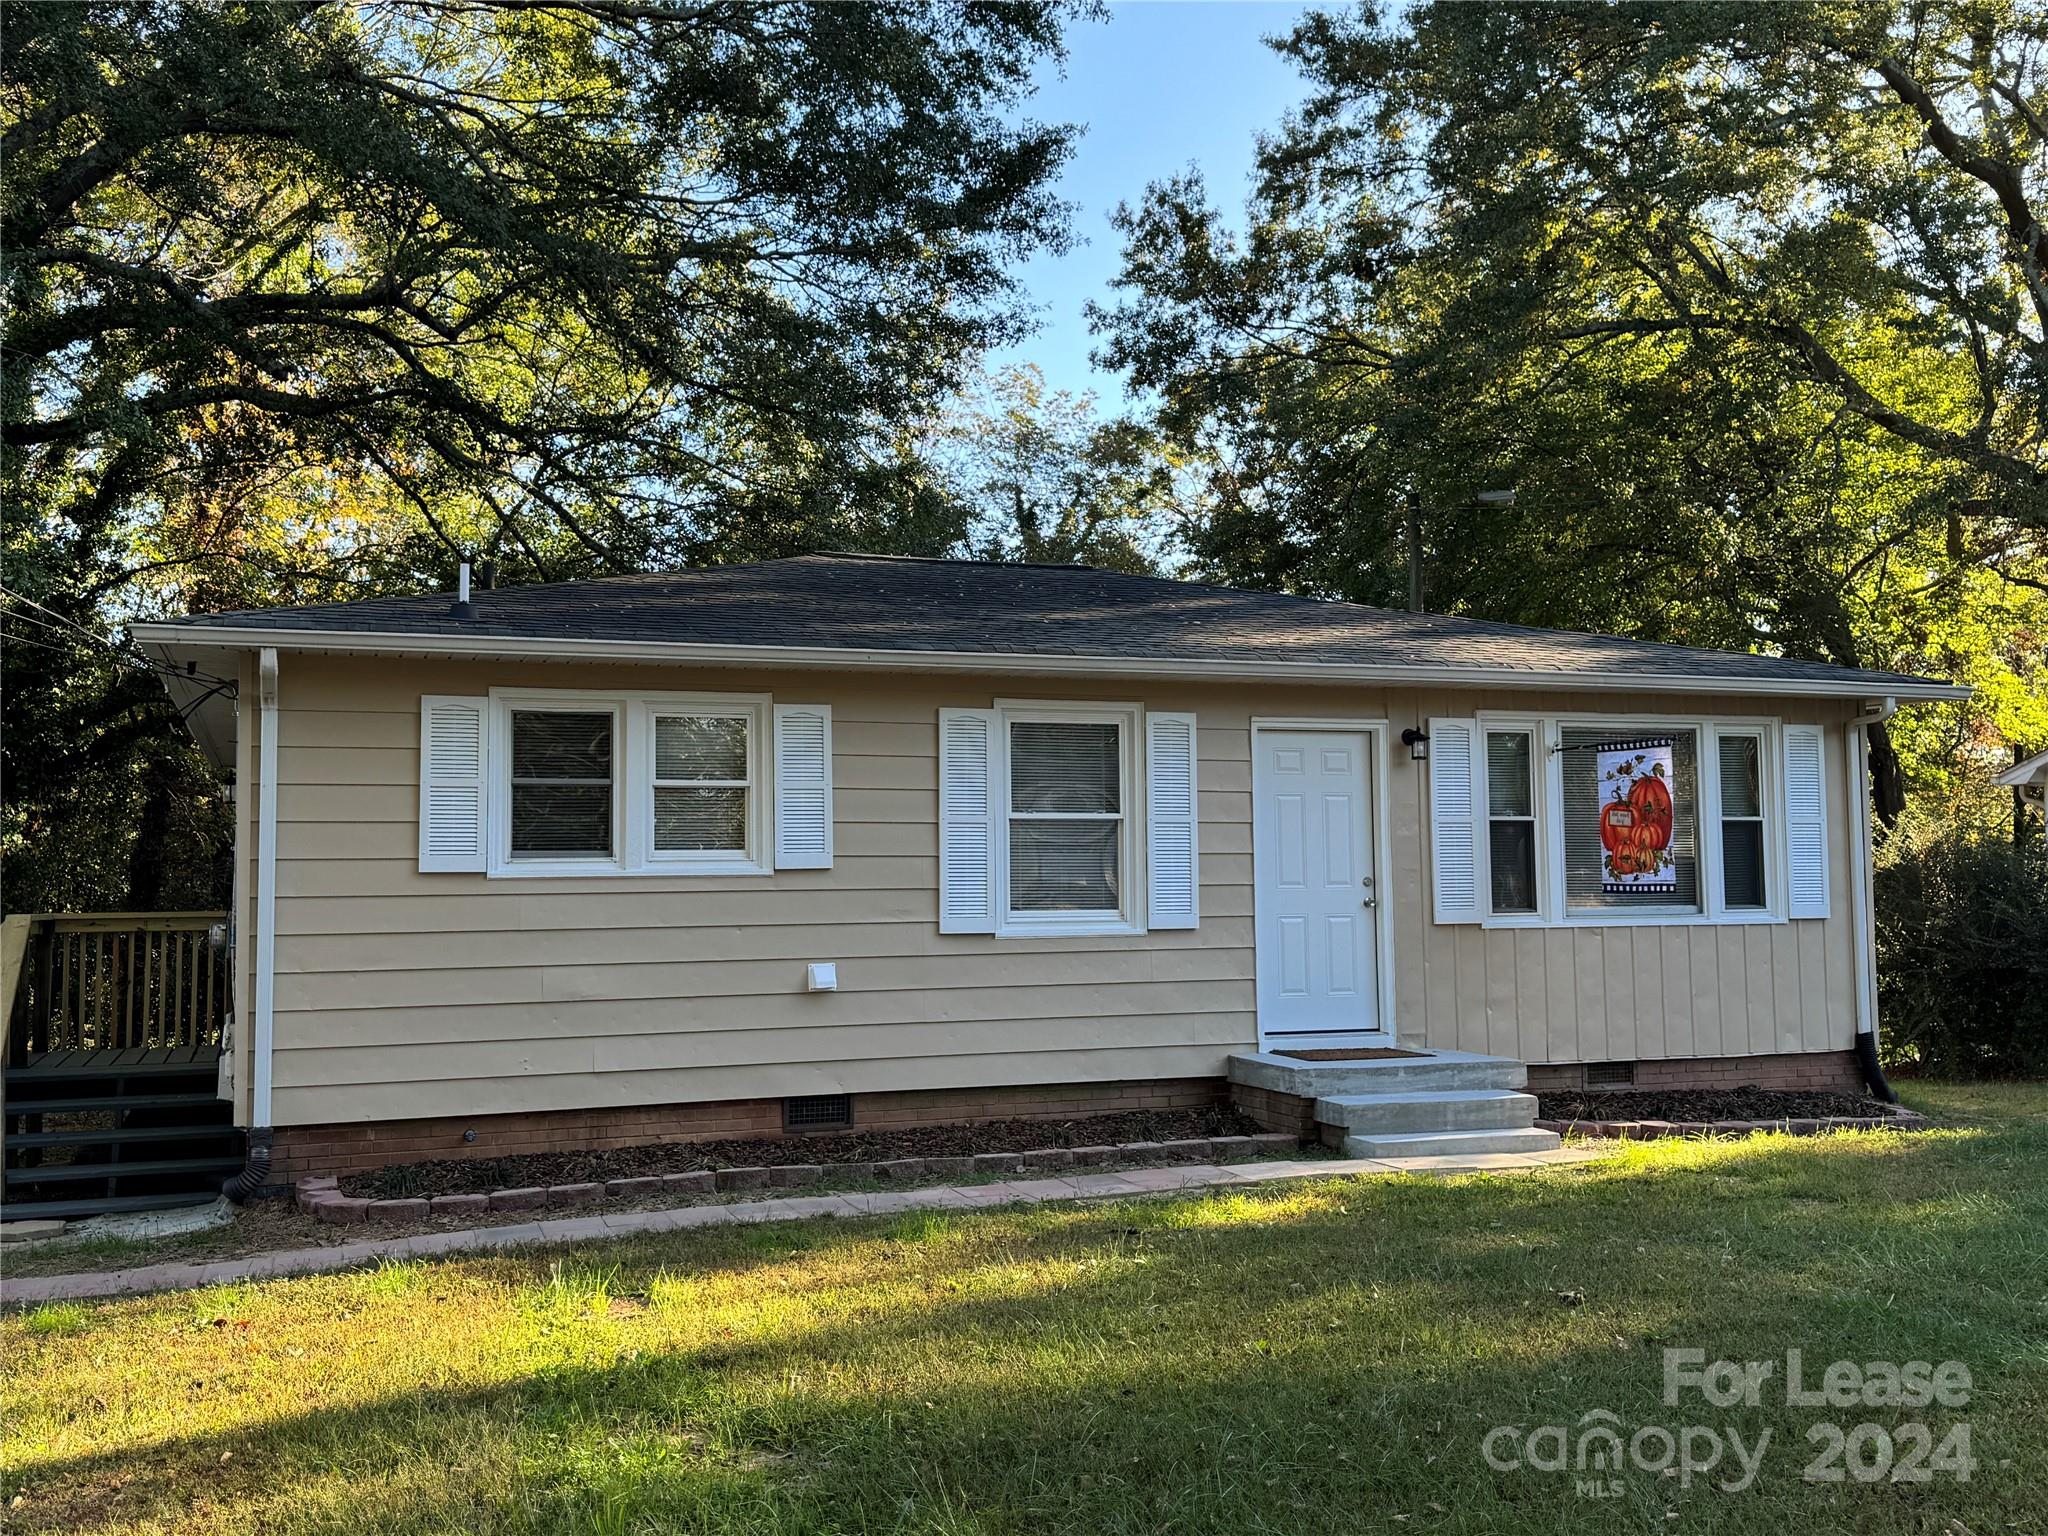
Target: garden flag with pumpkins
pixel 1635 779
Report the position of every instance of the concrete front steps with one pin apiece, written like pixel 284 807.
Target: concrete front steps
pixel 1436 1104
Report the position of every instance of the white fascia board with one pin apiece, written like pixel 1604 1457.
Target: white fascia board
pixel 2035 767
pixel 174 640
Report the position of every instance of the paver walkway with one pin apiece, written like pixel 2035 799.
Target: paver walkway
pixel 1076 1186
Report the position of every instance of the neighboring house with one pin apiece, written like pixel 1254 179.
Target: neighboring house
pixel 2028 777
pixel 852 838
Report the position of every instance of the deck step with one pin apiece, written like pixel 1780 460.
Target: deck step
pixel 1452 1143
pixel 122 1136
pixel 1436 1109
pixel 65 1210
pixel 52 1173
pixel 198 1098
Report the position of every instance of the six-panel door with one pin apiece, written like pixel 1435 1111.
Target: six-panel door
pixel 1317 934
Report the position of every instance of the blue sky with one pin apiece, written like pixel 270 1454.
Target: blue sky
pixel 1157 85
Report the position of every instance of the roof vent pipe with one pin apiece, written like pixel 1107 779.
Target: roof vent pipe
pixel 463 608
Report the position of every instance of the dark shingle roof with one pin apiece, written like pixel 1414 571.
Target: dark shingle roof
pixel 876 603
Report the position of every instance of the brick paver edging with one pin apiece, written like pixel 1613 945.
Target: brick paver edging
pixel 1653 1130
pixel 321 1197
pixel 1080 1186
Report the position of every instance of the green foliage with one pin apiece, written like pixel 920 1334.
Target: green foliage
pixel 304 299
pixel 1962 934
pixel 1736 297
pixel 1039 476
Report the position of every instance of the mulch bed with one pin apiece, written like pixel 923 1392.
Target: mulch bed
pixel 485 1174
pixel 1747 1103
pixel 1646 1114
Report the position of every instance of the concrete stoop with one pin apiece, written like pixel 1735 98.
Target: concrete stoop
pixel 1430 1105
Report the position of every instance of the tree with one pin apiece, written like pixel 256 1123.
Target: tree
pixel 1745 300
pixel 305 297
pixel 1039 476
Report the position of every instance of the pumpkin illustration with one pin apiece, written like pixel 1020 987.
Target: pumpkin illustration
pixel 1617 826
pixel 1650 801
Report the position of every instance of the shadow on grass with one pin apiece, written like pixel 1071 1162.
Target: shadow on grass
pixel 1323 1358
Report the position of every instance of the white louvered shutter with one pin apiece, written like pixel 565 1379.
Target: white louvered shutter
pixel 1171 857
pixel 803 786
pixel 967 820
pixel 1806 822
pixel 1453 820
pixel 454 782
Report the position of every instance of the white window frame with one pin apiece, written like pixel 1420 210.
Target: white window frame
pixel 1770 806
pixel 1130 917
pixel 751 859
pixel 1553 911
pixel 1540 758
pixel 633 852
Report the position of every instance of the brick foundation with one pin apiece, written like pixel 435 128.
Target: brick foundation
pixel 334 1149
pixel 1276 1111
pixel 1808 1071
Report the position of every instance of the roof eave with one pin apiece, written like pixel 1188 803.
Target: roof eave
pixel 175 640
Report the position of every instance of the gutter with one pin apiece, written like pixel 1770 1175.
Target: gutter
pixel 168 640
pixel 1862 908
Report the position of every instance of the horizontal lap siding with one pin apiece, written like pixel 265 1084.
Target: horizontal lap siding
pixel 406 994
pixel 401 994
pixel 1615 993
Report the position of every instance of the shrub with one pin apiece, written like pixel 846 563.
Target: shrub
pixel 1962 956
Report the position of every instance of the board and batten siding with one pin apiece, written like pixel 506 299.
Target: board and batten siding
pixel 401 994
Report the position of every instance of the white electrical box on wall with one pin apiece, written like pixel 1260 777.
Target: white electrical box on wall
pixel 823 976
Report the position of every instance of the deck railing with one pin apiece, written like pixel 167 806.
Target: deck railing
pixel 120 980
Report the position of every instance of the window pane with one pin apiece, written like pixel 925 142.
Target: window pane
pixel 1058 765
pixel 1507 773
pixel 1513 845
pixel 1064 866
pixel 700 820
pixel 562 818
pixel 561 782
pixel 1585 799
pixel 1742 863
pixel 1741 791
pixel 699 747
pixel 561 744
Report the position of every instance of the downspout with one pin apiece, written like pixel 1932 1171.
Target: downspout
pixel 1861 901
pixel 255 1173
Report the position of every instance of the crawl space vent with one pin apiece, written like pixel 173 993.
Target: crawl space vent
pixel 1610 1074
pixel 818 1112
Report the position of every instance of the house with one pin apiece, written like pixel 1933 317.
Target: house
pixel 851 839
pixel 2027 778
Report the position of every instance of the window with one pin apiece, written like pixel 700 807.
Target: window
pixel 1740 761
pixel 1584 819
pixel 703 778
pixel 630 783
pixel 1631 810
pixel 1066 817
pixel 1511 820
pixel 562 802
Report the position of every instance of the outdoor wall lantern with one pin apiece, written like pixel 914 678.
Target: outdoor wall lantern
pixel 1416 740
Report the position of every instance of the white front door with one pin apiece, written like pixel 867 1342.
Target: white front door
pixel 1315 905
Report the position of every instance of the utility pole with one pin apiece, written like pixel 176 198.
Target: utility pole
pixel 1414 538
pixel 1414 542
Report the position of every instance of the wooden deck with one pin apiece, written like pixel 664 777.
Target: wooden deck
pixel 133 1061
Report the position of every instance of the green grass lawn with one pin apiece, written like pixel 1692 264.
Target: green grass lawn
pixel 1320 1358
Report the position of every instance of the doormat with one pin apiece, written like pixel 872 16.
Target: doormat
pixel 1373 1053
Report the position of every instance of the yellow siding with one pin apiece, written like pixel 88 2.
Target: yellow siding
pixel 402 994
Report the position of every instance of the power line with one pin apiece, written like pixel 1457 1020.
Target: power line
pixel 70 629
